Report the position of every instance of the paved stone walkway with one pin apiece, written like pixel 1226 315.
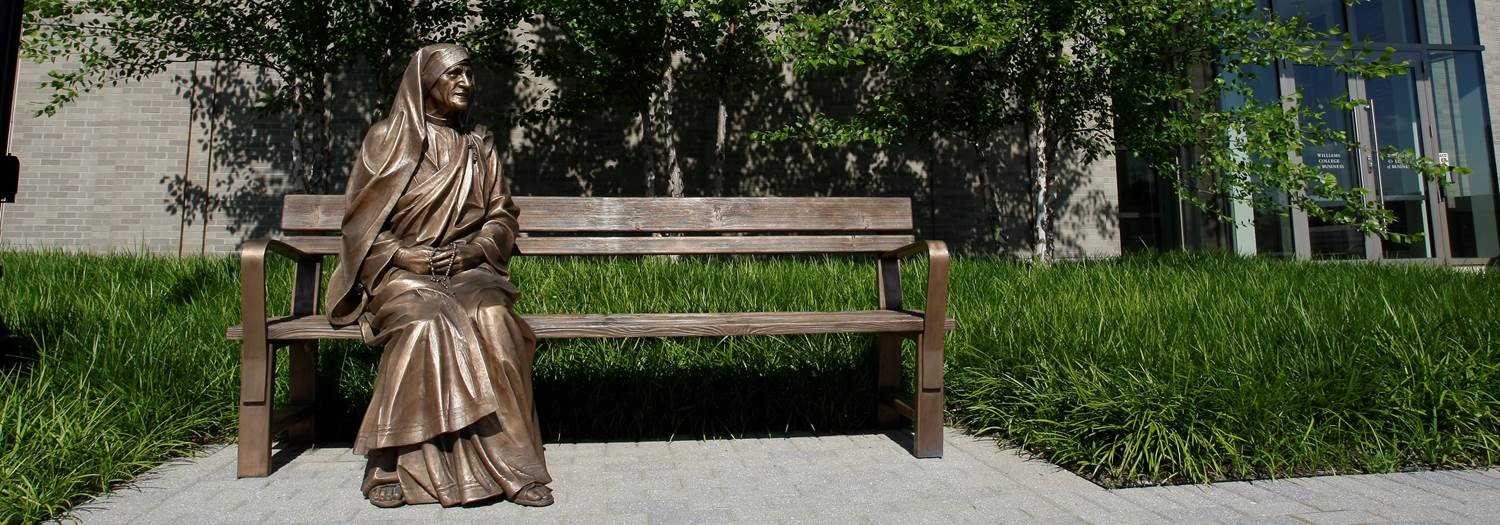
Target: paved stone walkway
pixel 828 479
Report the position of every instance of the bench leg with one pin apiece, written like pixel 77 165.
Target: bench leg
pixel 887 380
pixel 255 440
pixel 929 439
pixel 303 372
pixel 928 442
pixel 255 419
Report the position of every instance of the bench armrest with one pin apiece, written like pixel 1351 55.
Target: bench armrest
pixel 254 352
pixel 937 277
pixel 933 248
pixel 935 315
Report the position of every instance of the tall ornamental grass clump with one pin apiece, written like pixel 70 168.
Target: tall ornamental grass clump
pixel 1197 368
pixel 114 365
pixel 1141 370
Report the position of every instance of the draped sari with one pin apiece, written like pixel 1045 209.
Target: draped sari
pixel 452 419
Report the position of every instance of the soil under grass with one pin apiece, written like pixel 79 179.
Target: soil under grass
pixel 1142 370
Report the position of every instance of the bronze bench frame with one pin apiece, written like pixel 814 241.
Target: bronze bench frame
pixel 869 225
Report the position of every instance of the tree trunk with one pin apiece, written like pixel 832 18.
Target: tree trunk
pixel 1041 249
pixel 300 165
pixel 721 125
pixel 325 141
pixel 298 174
pixel 648 128
pixel 721 130
pixel 668 134
pixel 312 134
pixel 215 111
pixel 660 116
pixel 185 199
pixel 992 189
pixel 301 169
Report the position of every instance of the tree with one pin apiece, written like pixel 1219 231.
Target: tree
pixel 302 42
pixel 1177 61
pixel 602 58
pixel 969 70
pixel 728 35
pixel 1090 76
pixel 628 57
pixel 603 55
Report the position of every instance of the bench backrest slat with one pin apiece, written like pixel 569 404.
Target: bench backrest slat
pixel 698 225
pixel 760 244
pixel 714 214
pixel 764 244
pixel 322 213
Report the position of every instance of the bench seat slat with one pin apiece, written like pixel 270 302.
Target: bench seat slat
pixel 322 213
pixel 718 244
pixel 555 326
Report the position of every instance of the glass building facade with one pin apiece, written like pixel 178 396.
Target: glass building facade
pixel 1438 109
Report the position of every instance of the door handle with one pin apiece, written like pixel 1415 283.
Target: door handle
pixel 1375 152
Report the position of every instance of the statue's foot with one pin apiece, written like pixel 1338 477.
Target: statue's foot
pixel 533 495
pixel 386 496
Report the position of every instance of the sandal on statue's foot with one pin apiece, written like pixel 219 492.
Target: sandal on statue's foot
pixel 386 496
pixel 533 495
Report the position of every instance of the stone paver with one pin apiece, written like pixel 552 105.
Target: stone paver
pixel 799 479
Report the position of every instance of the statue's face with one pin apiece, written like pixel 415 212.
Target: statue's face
pixel 453 91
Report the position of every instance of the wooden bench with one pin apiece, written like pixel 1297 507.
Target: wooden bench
pixel 881 227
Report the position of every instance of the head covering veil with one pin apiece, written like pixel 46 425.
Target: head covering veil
pixel 387 160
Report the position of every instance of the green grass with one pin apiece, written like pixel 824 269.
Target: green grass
pixel 1143 370
pixel 1176 369
pixel 116 364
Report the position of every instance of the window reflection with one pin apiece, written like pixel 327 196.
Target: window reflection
pixel 1258 230
pixel 1322 15
pixel 1444 93
pixel 1385 21
pixel 1144 201
pixel 1320 85
pixel 1393 104
pixel 1458 93
pixel 1449 22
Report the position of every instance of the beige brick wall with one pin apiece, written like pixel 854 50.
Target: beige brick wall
pixel 136 167
pixel 1090 221
pixel 91 174
pixel 107 172
pixel 1488 14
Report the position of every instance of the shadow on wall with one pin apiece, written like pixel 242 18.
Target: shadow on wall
pixel 625 149
pixel 251 152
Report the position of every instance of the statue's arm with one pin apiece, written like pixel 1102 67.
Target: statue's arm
pixel 360 268
pixel 385 252
pixel 498 235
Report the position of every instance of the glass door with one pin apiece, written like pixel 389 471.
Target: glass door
pixel 1460 123
pixel 1320 87
pixel 1425 110
pixel 1392 119
pixel 1438 109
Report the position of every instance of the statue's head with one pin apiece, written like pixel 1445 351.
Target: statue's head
pixel 447 79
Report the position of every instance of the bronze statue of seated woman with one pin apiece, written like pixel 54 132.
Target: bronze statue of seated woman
pixel 428 234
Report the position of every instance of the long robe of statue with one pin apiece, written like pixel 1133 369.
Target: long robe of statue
pixel 427 236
